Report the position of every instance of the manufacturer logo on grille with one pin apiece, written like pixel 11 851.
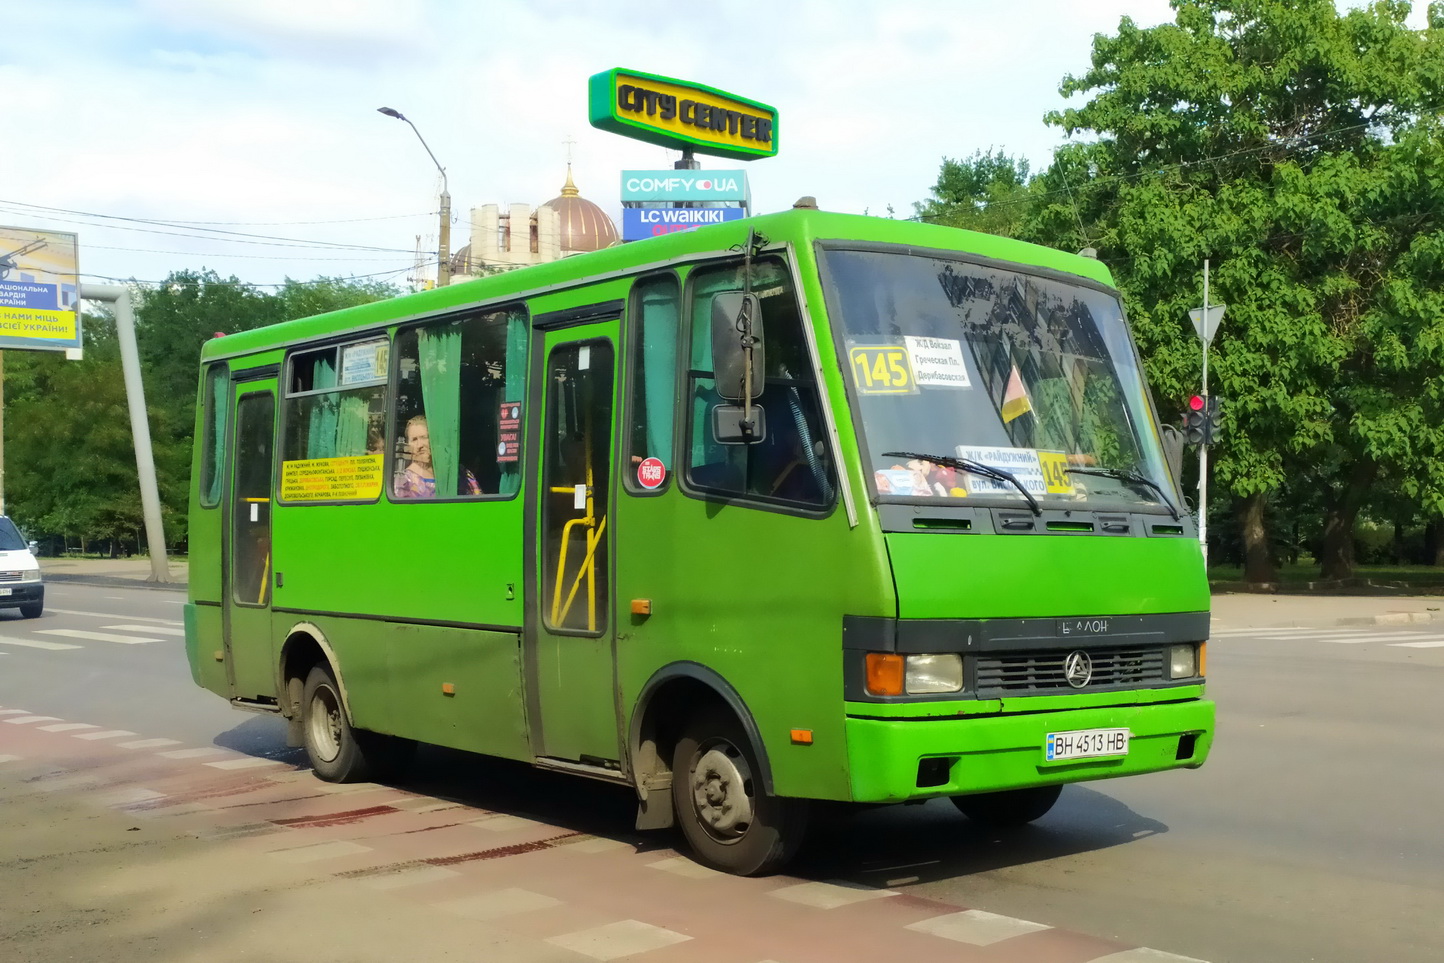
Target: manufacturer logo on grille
pixel 1078 668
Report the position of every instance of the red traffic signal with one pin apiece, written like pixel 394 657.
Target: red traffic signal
pixel 1195 421
pixel 1196 403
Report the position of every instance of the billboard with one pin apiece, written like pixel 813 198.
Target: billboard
pixel 39 290
pixel 681 115
pixel 684 185
pixel 640 223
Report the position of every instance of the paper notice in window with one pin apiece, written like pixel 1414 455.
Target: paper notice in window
pixel 1021 463
pixel 938 362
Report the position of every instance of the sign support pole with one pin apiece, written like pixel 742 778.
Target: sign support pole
pixel 139 425
pixel 1203 448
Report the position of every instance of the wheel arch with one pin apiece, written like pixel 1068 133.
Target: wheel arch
pixel 673 694
pixel 306 645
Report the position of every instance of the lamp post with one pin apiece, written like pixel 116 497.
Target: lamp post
pixel 443 238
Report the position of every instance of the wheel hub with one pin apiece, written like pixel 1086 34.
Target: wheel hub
pixel 720 782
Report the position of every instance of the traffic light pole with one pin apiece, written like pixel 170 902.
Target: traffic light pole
pixel 1203 449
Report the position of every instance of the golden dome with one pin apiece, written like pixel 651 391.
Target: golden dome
pixel 584 225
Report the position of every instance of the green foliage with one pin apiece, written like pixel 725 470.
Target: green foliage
pixel 1298 148
pixel 987 192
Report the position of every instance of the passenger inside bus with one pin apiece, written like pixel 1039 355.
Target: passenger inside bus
pixel 419 478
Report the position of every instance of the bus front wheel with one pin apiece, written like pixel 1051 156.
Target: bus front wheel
pixel 730 820
pixel 331 743
pixel 1012 807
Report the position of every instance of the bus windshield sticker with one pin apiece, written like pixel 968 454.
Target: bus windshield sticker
pixel 1055 472
pixel 1022 463
pixel 364 362
pixel 651 473
pixel 881 369
pixel 508 434
pixel 357 477
pixel 938 362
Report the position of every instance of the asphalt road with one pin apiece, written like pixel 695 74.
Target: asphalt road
pixel 1311 834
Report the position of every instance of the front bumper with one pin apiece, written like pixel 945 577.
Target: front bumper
pixel 987 753
pixel 22 593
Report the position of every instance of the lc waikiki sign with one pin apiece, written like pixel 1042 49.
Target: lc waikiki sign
pixel 39 290
pixel 681 115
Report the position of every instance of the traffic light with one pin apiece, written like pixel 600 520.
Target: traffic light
pixel 1214 426
pixel 1195 421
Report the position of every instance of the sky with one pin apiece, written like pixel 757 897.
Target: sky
pixel 242 136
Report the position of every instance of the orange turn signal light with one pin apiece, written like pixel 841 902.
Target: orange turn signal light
pixel 884 674
pixel 641 606
pixel 802 737
pixel 448 688
pixel 1202 659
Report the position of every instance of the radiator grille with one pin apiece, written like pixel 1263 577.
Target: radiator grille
pixel 1043 671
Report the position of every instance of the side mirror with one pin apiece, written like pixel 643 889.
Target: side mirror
pixel 731 427
pixel 34 547
pixel 737 344
pixel 1173 452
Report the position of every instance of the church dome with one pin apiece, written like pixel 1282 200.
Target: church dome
pixel 584 225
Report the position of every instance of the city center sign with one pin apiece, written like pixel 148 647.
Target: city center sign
pixel 681 115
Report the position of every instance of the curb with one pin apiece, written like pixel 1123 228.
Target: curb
pixel 112 581
pixel 1391 618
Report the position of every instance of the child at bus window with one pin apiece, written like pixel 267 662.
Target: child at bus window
pixel 419 478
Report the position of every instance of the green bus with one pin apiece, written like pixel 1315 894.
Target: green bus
pixel 805 506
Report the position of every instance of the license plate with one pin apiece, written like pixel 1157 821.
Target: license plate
pixel 1086 744
pixel 6 591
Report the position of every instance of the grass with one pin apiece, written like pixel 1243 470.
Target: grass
pixel 1424 579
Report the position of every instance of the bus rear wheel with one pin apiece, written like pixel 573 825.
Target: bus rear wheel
pixel 729 819
pixel 1009 808
pixel 331 744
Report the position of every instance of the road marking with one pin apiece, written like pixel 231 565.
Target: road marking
pixel 830 894
pixel 247 762
pixel 15 712
pixel 1431 644
pixel 1144 955
pixel 976 927
pixel 162 629
pixel 107 734
pixel 318 851
pixel 26 720
pixel 193 753
pixel 623 938
pixel 148 743
pixel 40 644
pixel 67 727
pixel 115 615
pixel 10 758
pixel 97 636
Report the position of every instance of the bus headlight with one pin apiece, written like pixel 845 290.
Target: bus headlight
pixel 933 673
pixel 889 674
pixel 1183 661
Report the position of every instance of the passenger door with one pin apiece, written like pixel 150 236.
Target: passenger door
pixel 246 578
pixel 570 626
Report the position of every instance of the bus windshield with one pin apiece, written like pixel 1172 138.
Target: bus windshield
pixel 966 373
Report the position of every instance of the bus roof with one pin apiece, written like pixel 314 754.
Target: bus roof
pixel 799 226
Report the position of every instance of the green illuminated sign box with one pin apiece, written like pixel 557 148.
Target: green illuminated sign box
pixel 681 115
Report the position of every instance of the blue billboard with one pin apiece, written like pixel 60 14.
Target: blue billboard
pixel 685 185
pixel 640 223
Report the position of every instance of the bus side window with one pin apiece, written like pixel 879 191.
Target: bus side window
pixel 792 464
pixel 655 307
pixel 335 399
pixel 460 393
pixel 215 399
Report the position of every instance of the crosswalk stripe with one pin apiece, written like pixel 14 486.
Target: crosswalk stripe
pixel 159 629
pixel 97 636
pixel 39 644
pixel 116 615
pixel 1431 644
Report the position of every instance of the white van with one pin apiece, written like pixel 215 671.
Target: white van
pixel 20 585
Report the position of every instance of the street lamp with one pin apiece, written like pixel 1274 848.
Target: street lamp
pixel 443 240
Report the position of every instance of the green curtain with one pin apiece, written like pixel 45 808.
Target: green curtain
pixel 516 339
pixel 659 362
pixel 321 427
pixel 351 426
pixel 439 350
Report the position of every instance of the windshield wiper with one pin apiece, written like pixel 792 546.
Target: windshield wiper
pixel 1133 478
pixel 976 467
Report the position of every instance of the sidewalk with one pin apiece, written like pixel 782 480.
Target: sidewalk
pixel 1232 611
pixel 133 572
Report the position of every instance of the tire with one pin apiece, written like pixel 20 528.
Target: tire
pixel 32 610
pixel 731 822
pixel 331 744
pixel 1010 808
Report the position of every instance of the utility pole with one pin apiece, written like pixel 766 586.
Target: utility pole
pixel 139 424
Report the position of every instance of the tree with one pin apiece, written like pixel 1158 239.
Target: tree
pixel 1297 148
pixel 987 192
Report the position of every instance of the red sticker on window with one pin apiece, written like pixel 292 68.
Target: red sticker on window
pixel 651 473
